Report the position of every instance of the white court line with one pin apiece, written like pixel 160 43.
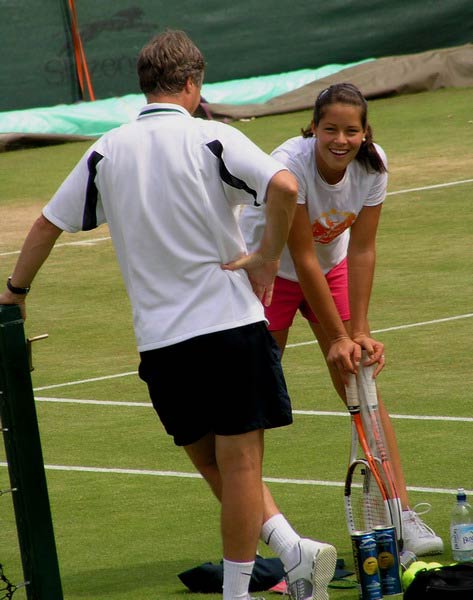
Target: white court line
pixel 100 402
pixel 185 475
pixel 56 385
pixel 316 413
pixel 429 187
pixel 90 242
pixel 418 189
pixel 398 327
pixel 323 413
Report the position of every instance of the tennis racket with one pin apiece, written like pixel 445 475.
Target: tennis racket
pixel 366 495
pixel 368 397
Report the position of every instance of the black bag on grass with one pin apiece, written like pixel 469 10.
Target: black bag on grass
pixel 208 577
pixel 267 572
pixel 452 582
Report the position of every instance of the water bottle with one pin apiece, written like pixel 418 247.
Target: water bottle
pixel 461 529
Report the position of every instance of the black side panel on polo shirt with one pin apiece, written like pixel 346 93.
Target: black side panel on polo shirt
pixel 89 219
pixel 216 148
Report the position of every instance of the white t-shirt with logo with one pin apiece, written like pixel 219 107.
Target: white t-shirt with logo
pixel 332 209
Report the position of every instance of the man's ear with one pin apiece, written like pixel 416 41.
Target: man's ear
pixel 189 85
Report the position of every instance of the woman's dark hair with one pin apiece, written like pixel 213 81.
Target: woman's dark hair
pixel 347 93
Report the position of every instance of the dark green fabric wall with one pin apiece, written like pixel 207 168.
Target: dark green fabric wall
pixel 239 39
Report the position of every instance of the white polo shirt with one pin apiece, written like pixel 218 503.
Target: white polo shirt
pixel 169 186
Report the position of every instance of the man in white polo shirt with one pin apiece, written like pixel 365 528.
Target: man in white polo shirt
pixel 169 186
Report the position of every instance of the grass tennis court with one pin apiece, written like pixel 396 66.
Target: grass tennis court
pixel 129 512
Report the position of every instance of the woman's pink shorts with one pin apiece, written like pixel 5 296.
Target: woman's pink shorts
pixel 288 299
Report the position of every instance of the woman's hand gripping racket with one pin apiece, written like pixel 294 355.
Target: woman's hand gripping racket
pixel 367 502
pixel 368 397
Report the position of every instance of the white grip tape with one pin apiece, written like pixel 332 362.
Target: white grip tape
pixel 367 385
pixel 351 391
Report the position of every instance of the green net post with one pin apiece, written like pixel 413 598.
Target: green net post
pixel 25 462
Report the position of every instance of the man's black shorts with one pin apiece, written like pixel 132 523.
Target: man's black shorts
pixel 228 382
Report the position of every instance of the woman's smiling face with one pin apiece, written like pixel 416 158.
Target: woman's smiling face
pixel 339 137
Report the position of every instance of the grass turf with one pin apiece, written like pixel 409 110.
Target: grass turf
pixel 128 534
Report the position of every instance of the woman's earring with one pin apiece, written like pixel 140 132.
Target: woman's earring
pixel 364 139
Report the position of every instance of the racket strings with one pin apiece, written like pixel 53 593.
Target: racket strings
pixel 375 503
pixel 368 508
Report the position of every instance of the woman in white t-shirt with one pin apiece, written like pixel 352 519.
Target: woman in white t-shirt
pixel 327 267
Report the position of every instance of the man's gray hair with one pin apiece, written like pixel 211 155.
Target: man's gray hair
pixel 167 61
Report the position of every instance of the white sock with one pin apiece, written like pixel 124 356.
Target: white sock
pixel 278 534
pixel 236 579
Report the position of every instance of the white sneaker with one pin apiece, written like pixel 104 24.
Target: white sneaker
pixel 309 578
pixel 418 537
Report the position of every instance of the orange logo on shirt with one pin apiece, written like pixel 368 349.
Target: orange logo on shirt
pixel 330 225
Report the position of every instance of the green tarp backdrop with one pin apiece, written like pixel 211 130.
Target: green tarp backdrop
pixel 239 39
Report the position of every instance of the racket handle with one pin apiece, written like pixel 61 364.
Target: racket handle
pixel 368 385
pixel 351 390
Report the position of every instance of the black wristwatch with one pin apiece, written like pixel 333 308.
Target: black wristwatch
pixel 17 290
